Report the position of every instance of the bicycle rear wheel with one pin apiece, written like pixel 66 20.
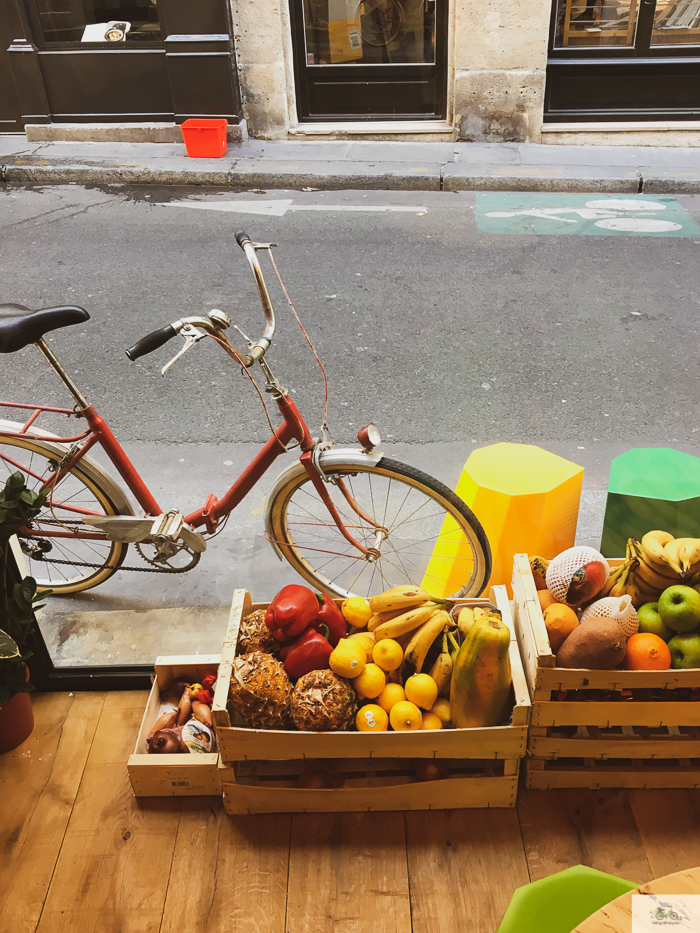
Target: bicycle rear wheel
pixel 61 553
pixel 433 538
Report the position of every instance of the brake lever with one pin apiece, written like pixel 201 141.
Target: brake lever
pixel 192 336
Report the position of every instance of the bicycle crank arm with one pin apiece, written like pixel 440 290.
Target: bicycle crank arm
pixel 131 530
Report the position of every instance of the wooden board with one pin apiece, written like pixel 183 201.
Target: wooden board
pixel 455 793
pixel 228 874
pixel 238 743
pixel 658 713
pixel 348 874
pixel 669 826
pixel 618 776
pixel 634 743
pixel 39 782
pixel 113 869
pixel 463 868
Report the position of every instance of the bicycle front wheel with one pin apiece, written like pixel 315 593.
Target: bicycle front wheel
pixel 62 553
pixel 429 537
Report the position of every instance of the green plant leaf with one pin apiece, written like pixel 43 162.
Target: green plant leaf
pixel 8 647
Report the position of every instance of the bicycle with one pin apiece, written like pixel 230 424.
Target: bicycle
pixel 350 521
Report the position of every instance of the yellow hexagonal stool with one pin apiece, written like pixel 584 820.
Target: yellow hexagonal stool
pixel 526 498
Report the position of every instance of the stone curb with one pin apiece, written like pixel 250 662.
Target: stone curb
pixel 387 176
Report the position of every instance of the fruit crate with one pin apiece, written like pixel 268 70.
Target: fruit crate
pixel 178 775
pixel 259 767
pixel 602 728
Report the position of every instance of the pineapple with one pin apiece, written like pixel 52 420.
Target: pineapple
pixel 323 702
pixel 254 635
pixel 261 691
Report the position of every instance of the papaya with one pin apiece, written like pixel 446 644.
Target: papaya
pixel 481 678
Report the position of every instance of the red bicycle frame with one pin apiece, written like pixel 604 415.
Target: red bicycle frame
pixel 293 427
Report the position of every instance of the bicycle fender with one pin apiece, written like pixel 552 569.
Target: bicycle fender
pixel 336 456
pixel 51 446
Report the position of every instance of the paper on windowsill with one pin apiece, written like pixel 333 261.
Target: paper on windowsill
pixel 665 913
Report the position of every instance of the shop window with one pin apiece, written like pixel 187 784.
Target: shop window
pixel 595 23
pixel 676 22
pixel 107 22
pixel 369 32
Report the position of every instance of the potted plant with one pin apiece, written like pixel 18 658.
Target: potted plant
pixel 18 505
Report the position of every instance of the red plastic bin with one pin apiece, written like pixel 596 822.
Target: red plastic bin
pixel 205 139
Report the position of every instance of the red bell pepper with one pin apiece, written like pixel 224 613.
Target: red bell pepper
pixel 330 616
pixel 291 611
pixel 309 652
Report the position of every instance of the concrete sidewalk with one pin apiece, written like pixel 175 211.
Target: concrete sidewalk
pixel 415 166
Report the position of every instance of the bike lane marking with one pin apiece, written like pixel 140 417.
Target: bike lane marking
pixel 583 214
pixel 279 207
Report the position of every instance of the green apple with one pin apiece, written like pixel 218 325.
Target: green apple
pixel 650 621
pixel 685 650
pixel 679 608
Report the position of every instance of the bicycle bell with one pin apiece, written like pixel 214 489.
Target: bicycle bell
pixel 369 437
pixel 220 318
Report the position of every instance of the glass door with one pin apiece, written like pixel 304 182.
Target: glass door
pixel 369 59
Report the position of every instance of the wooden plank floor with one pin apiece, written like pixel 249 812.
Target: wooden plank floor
pixel 79 854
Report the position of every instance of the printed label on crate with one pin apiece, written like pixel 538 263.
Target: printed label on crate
pixel 652 912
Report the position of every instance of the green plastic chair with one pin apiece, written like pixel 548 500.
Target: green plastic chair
pixel 560 902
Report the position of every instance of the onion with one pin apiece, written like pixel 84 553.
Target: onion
pixel 317 779
pixel 431 769
pixel 164 742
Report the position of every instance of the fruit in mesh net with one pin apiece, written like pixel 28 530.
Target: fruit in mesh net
pixel 261 691
pixel 323 702
pixel 254 635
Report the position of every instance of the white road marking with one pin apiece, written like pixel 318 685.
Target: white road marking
pixel 280 207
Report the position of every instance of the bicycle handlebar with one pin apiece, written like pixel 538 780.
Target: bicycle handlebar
pixel 151 342
pixel 157 338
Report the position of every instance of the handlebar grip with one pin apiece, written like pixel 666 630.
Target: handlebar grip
pixel 151 342
pixel 242 238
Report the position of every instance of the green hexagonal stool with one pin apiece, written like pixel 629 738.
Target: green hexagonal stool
pixel 650 488
pixel 560 902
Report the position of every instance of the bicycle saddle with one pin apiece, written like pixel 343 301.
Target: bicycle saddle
pixel 20 326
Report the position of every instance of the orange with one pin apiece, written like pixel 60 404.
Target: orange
pixel 371 718
pixel 546 599
pixel 405 717
pixel 560 621
pixel 390 696
pixel 647 652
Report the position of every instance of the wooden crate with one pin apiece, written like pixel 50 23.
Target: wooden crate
pixel 490 757
pixel 177 775
pixel 645 735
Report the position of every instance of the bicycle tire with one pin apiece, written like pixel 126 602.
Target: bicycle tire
pixel 76 489
pixel 301 541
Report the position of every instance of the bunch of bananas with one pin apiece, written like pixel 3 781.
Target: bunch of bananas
pixel 652 565
pixel 411 616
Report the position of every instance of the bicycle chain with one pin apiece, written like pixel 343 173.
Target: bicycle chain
pixel 82 563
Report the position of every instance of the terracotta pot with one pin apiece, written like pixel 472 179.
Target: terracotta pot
pixel 16 720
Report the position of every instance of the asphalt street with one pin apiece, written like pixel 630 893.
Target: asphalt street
pixel 449 321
